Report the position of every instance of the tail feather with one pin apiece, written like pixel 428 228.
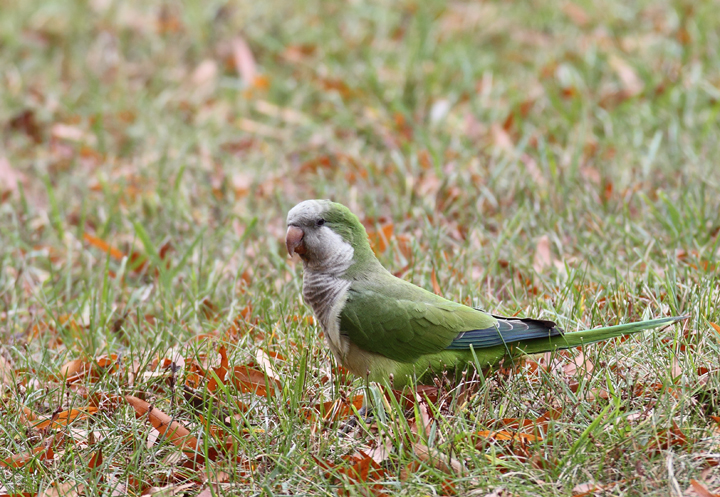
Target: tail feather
pixel 579 338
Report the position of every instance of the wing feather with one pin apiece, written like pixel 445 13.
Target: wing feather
pixel 403 322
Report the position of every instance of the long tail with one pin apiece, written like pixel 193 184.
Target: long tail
pixel 578 338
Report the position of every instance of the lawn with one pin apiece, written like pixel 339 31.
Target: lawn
pixel 543 159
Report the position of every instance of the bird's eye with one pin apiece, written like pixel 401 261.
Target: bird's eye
pixel 320 222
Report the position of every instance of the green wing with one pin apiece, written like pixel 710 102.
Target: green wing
pixel 403 322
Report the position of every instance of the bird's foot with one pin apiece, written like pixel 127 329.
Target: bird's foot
pixel 365 413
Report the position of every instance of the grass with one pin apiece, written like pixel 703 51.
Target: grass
pixel 472 134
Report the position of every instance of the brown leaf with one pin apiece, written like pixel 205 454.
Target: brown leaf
pixel 9 178
pixel 336 409
pixel 205 73
pixel 64 418
pixel 581 363
pixel 26 123
pixel 502 435
pixel 543 257
pixel 70 133
pixel 43 452
pixel 576 14
pixel 173 431
pixel 436 286
pixel 72 369
pixel 501 138
pixel 264 360
pixel 632 84
pixel 716 327
pixel 244 61
pixel 701 489
pixel 250 379
pixel 297 53
pixel 6 371
pixel 667 439
pixel 357 467
pixel 96 459
pixel 437 460
pixel 136 262
pixel 220 371
pixel 380 238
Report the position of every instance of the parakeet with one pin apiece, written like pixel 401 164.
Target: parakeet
pixel 382 328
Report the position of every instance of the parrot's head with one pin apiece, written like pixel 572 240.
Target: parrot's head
pixel 325 235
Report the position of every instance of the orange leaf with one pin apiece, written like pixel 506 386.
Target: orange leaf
pixel 435 284
pixel 64 418
pixel 507 435
pixel 19 460
pixel 104 246
pixel 220 372
pixel 96 459
pixel 362 467
pixel 5 371
pixel 576 14
pixel 136 261
pixel 250 379
pixel 107 360
pixel 336 409
pixel 173 431
pixel 701 490
pixel 243 60
pixel 543 257
pixel 380 239
pixel 717 327
pixel 71 369
pixel 667 439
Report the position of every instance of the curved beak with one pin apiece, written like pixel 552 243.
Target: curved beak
pixel 294 241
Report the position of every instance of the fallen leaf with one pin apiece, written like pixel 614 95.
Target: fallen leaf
pixel 43 452
pixel 250 379
pixel 543 258
pixel 9 178
pixel 70 133
pixel 576 14
pixel 333 410
pixel 507 435
pixel 380 238
pixel 701 489
pixel 5 371
pixel 439 461
pixel 716 327
pixel 631 83
pixel 220 371
pixel 205 73
pixel 501 138
pixel 96 459
pixel 64 418
pixel 244 61
pixel 26 123
pixel 266 363
pixel 173 430
pixel 433 279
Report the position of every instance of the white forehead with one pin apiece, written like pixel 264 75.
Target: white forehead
pixel 308 209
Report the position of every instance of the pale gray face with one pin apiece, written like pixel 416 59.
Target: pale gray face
pixel 313 240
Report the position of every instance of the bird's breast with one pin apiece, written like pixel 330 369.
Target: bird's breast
pixel 326 295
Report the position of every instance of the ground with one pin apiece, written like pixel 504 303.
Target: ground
pixel 547 159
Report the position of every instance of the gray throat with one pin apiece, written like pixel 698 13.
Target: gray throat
pixel 323 291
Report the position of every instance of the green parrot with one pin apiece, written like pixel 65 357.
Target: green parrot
pixel 383 328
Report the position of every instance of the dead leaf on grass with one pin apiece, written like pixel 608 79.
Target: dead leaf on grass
pixel 543 257
pixel 178 434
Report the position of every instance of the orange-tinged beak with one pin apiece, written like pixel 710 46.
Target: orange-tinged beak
pixel 294 241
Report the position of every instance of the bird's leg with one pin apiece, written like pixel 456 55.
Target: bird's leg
pixel 364 413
